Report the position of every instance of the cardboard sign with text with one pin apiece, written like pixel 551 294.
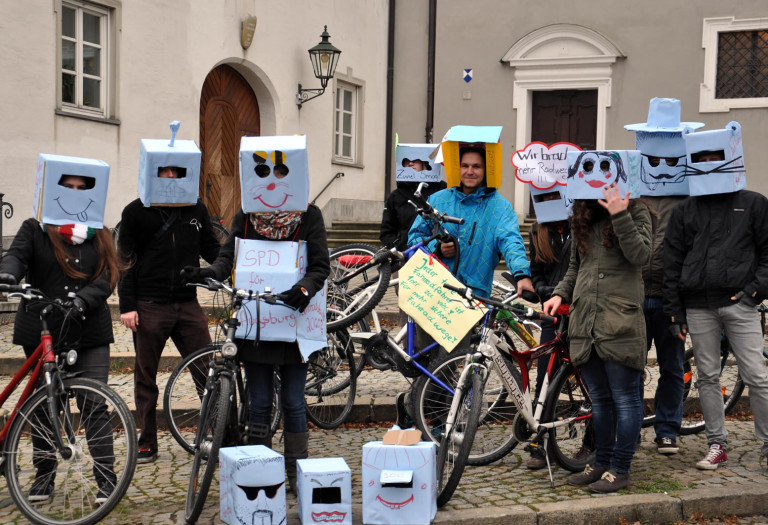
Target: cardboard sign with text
pixel 432 307
pixel 278 265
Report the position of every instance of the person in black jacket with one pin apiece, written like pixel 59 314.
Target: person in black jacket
pixel 59 260
pixel 157 242
pixel 399 214
pixel 715 273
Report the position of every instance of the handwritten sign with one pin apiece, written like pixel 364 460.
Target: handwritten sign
pixel 278 265
pixel 543 166
pixel 433 307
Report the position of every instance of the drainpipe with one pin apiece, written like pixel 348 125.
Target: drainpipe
pixel 390 94
pixel 431 71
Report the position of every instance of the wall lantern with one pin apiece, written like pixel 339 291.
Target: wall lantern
pixel 324 58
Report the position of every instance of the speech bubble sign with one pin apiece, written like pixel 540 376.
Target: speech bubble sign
pixel 543 166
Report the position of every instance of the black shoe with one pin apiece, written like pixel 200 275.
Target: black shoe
pixel 590 475
pixel 105 491
pixel 404 421
pixel 666 445
pixel 42 488
pixel 611 481
pixel 536 463
pixel 146 455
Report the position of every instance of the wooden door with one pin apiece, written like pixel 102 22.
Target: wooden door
pixel 565 116
pixel 228 111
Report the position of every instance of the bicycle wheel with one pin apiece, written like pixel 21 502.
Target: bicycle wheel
pixel 730 384
pixel 350 301
pixel 455 446
pixel 572 446
pixel 221 231
pixel 208 440
pixel 331 384
pixel 100 434
pixel 650 380
pixel 495 437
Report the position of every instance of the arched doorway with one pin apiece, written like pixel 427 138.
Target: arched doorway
pixel 228 111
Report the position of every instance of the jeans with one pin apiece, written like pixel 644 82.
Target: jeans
pixel 670 352
pixel 617 413
pixel 293 379
pixel 742 327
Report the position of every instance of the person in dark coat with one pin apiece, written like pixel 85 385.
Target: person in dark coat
pixel 60 260
pixel 399 214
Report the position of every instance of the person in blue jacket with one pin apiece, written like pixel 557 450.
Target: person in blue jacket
pixel 490 228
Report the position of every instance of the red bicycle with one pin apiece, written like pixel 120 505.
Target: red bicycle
pixel 69 445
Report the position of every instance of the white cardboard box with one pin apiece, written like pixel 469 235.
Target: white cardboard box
pixel 324 491
pixel 252 485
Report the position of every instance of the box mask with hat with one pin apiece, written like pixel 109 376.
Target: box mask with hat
pixel 156 158
pixel 660 142
pixel 710 177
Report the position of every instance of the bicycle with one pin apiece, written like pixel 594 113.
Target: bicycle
pixel 65 424
pixel 559 417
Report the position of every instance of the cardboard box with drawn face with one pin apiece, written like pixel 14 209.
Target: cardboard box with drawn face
pixel 483 137
pixel 278 265
pixel 660 142
pixel 413 164
pixel 274 174
pixel 169 171
pixel 715 160
pixel 399 483
pixel 545 169
pixel 551 205
pixel 324 491
pixel 589 172
pixel 70 190
pixel 252 486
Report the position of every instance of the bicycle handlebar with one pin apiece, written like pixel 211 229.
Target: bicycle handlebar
pixel 267 296
pixel 525 311
pixel 528 295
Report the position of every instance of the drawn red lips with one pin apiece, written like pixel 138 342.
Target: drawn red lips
pixel 285 199
pixel 595 183
pixel 328 517
pixel 393 505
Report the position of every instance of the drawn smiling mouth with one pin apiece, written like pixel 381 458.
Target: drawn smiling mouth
pixel 82 216
pixel 285 199
pixel 595 183
pixel 328 516
pixel 395 506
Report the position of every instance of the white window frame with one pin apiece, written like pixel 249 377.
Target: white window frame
pixel 356 87
pixel 708 103
pixel 107 11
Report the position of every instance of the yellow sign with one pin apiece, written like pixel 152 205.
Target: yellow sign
pixel 433 307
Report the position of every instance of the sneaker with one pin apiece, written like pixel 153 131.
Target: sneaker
pixel 105 491
pixel 666 445
pixel 42 489
pixel 610 481
pixel 536 463
pixel 590 475
pixel 146 455
pixel 714 458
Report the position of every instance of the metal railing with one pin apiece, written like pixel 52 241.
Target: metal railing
pixel 7 212
pixel 337 176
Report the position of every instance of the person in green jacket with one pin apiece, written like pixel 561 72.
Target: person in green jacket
pixel 604 286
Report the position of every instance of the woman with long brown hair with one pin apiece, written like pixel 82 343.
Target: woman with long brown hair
pixel 61 260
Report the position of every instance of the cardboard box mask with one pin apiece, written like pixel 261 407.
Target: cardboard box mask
pixel 57 204
pixel 483 137
pixel 155 156
pixel 707 176
pixel 591 171
pixel 324 491
pixel 252 485
pixel 413 163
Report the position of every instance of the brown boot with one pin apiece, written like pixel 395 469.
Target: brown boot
pixel 296 444
pixel 260 434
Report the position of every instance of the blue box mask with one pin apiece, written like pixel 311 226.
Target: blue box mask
pixel 57 204
pixel 274 174
pixel 589 172
pixel 710 177
pixel 413 163
pixel 660 142
pixel 183 156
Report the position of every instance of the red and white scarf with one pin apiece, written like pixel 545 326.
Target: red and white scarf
pixel 73 233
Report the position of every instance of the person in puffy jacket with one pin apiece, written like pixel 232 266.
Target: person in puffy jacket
pixel 604 286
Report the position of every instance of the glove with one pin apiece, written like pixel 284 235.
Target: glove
pixel 195 274
pixel 678 328
pixel 79 307
pixel 544 291
pixel 296 297
pixel 741 297
pixel 7 278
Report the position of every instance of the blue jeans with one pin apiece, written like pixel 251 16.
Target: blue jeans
pixel 260 388
pixel 617 413
pixel 670 352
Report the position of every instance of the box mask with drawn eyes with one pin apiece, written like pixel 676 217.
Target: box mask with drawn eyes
pixel 169 171
pixel 252 485
pixel 660 142
pixel 707 175
pixel 413 163
pixel 482 137
pixel 274 174
pixel 589 172
pixel 399 483
pixel 324 491
pixel 55 203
